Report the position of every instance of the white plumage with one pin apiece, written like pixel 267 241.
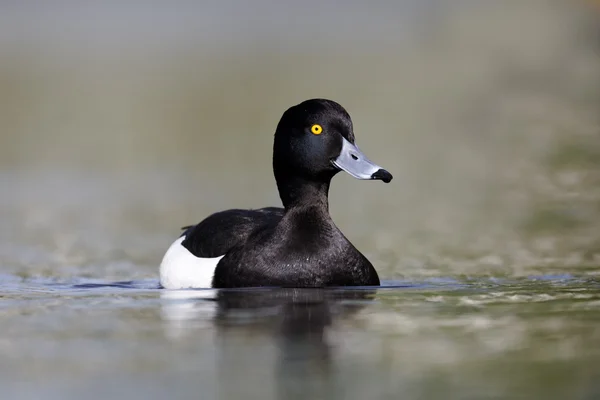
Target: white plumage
pixel 180 269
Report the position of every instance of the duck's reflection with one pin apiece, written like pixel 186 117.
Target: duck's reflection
pixel 267 340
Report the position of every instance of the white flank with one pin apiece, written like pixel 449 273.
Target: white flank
pixel 180 269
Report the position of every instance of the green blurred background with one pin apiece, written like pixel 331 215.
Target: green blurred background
pixel 121 121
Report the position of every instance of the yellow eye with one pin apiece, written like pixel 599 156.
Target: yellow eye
pixel 316 129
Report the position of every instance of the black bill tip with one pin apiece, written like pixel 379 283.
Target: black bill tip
pixel 382 175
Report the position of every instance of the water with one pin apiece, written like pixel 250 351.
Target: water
pixel 536 337
pixel 121 124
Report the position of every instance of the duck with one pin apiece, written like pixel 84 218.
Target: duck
pixel 297 245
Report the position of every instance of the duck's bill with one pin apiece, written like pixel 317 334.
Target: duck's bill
pixel 354 162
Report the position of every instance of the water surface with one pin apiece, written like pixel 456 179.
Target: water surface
pixel 536 337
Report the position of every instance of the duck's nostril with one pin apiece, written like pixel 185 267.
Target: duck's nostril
pixel 354 157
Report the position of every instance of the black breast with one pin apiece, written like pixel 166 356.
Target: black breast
pixel 304 249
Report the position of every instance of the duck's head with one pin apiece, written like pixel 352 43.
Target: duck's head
pixel 315 140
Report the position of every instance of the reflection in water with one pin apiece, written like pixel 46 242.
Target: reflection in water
pixel 286 327
pixel 183 309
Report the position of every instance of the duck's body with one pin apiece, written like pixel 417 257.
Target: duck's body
pixel 295 246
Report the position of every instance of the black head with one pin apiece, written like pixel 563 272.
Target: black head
pixel 315 140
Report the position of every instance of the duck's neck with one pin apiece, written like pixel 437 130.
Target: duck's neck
pixel 301 193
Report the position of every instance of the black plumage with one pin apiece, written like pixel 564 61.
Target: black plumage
pixel 298 245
